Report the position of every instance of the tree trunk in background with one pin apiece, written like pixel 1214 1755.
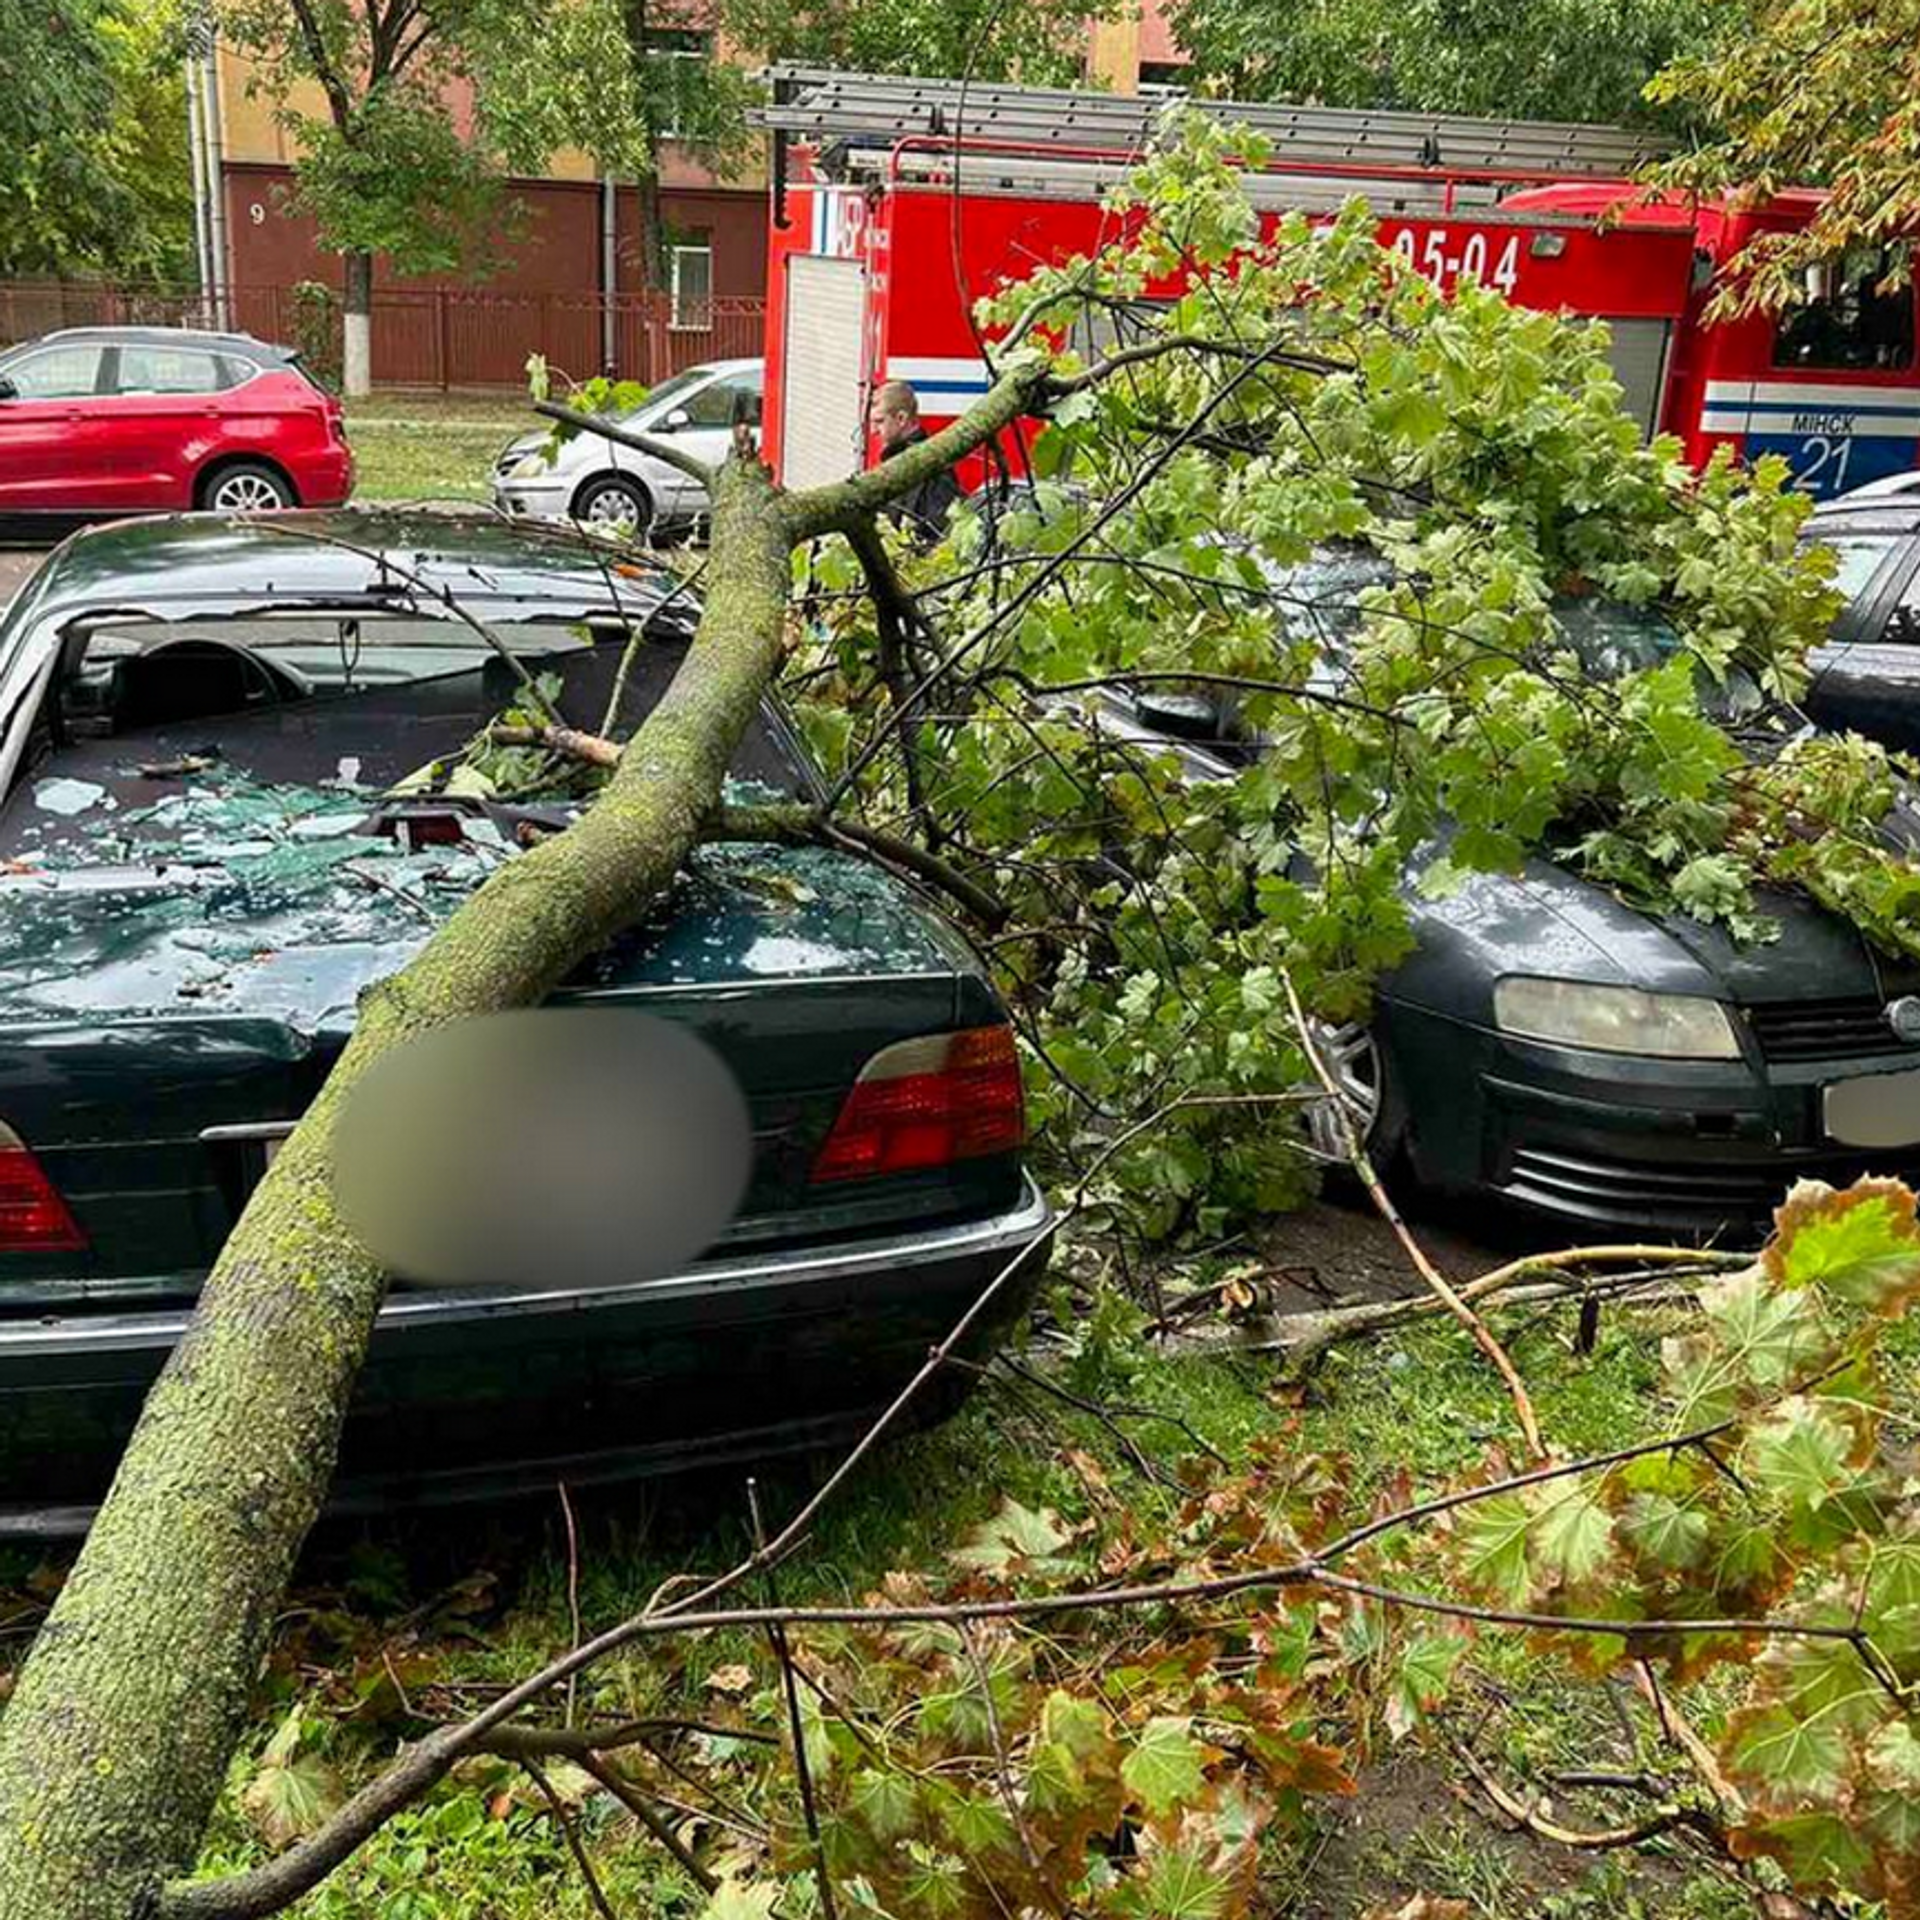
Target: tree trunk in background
pixel 646 177
pixel 118 1738
pixel 356 342
pixel 653 241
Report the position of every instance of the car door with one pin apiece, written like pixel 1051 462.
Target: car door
pixel 1866 679
pixel 161 413
pixel 52 455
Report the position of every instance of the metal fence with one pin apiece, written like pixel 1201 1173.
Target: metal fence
pixel 458 337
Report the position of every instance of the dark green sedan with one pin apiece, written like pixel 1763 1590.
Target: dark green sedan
pixel 246 773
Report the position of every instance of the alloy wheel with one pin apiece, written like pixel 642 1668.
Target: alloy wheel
pixel 245 492
pixel 1352 1060
pixel 611 509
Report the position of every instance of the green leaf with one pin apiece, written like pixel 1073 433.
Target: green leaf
pixel 292 1797
pixel 1818 1849
pixel 1574 1536
pixel 1077 1725
pixel 1015 1536
pixel 978 1824
pixel 1166 1766
pixel 1787 1756
pixel 1493 1535
pixel 1798 1453
pixel 1180 1883
pixel 1862 1245
pixel 888 1803
pixel 1421 1679
pixel 1893 1765
pixel 1664 1532
pixel 1767 1335
pixel 934 1884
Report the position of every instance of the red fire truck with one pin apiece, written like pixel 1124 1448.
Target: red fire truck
pixel 898 203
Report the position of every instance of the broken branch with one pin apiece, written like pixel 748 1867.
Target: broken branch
pixel 1376 1191
pixel 677 458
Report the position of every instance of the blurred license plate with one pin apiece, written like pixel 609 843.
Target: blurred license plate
pixel 1876 1110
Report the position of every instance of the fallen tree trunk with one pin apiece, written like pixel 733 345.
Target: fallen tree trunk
pixel 117 1740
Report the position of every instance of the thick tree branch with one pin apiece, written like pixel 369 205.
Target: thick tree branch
pixel 563 1818
pixel 339 98
pixel 838 506
pixel 637 1804
pixel 787 826
pixel 895 616
pixel 175 1593
pixel 1161 348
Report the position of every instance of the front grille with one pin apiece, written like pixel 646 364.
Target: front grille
pixel 1685 1195
pixel 1587 1179
pixel 1824 1029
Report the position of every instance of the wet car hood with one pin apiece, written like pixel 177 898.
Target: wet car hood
pixel 1548 921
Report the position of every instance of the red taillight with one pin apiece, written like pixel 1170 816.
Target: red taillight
pixel 927 1103
pixel 33 1217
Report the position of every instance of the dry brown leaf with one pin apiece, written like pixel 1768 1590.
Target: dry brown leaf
pixel 1421 1906
pixel 731 1680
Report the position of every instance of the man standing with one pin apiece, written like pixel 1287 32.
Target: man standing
pixel 895 419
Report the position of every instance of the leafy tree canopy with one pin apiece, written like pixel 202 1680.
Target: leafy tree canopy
pixel 1814 93
pixel 985 39
pixel 1309 389
pixel 392 162
pixel 1554 60
pixel 93 149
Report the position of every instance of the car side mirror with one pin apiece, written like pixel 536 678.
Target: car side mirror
pixel 8 391
pixel 677 419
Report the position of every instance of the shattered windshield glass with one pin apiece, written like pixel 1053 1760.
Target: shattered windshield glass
pixel 148 730
pixel 268 813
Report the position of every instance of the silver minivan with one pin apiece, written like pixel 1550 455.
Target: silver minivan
pixel 619 488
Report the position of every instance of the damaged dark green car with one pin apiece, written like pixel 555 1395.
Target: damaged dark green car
pixel 248 766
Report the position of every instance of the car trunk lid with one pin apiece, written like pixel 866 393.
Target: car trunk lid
pixel 164 1019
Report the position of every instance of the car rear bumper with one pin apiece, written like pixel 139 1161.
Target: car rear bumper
pixel 326 480
pixel 1688 1148
pixel 475 1395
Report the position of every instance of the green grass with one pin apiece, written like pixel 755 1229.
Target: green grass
pixel 380 1600
pixel 430 446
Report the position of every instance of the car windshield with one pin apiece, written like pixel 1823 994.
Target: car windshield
pixel 1322 600
pixel 1857 555
pixel 675 387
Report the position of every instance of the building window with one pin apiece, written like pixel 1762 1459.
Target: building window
pixel 692 287
pixel 1165 79
pixel 1848 322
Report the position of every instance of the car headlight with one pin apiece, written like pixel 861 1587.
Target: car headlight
pixel 1574 1013
pixel 531 467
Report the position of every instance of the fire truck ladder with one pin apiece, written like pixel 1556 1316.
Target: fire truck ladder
pixel 1049 143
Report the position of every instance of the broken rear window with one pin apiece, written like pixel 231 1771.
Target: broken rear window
pixel 394 703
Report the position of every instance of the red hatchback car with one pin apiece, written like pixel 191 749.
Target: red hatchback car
pixel 100 421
